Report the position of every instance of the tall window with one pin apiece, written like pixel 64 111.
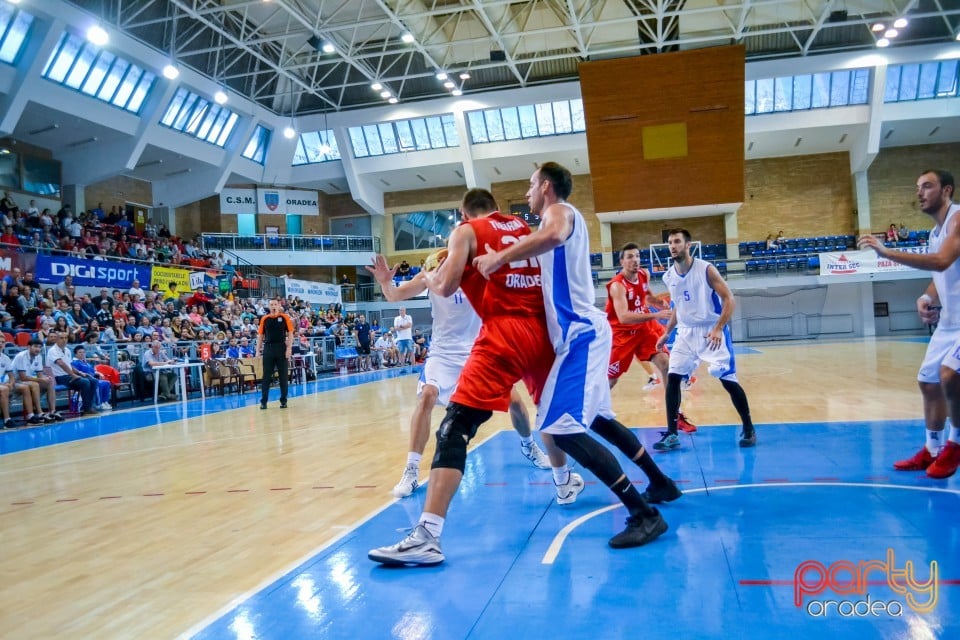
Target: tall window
pixel 256 149
pixel 77 64
pixel 315 147
pixel 14 26
pixel 415 134
pixel 808 91
pixel 199 118
pixel 422 229
pixel 529 121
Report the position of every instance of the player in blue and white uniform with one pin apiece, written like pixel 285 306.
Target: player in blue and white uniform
pixel 703 306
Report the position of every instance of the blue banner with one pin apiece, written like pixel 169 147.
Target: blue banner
pixel 91 273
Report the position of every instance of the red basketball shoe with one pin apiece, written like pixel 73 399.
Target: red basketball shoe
pixel 685 425
pixel 946 463
pixel 918 462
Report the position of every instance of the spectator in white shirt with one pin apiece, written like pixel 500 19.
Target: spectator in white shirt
pixel 28 368
pixel 168 379
pixel 136 290
pixel 58 357
pixel 404 326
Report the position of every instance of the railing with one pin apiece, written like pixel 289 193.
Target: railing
pixel 264 242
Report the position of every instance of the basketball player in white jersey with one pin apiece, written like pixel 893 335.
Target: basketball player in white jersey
pixel 455 328
pixel 579 331
pixel 703 306
pixel 939 375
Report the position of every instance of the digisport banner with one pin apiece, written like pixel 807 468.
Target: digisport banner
pixel 238 201
pixel 321 293
pixel 845 263
pixel 288 201
pixel 165 275
pixel 91 273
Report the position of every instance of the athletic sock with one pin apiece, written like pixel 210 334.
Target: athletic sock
pixel 631 498
pixel 432 523
pixel 934 441
pixel 413 459
pixel 954 434
pixel 649 467
pixel 526 442
pixel 561 475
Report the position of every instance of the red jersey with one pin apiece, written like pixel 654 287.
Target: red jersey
pixel 514 289
pixel 636 299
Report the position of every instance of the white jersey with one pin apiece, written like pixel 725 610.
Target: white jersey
pixel 568 293
pixel 31 365
pixel 455 325
pixel 947 281
pixel 696 302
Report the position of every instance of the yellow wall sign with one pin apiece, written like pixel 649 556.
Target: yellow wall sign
pixel 165 275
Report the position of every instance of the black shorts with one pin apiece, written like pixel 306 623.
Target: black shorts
pixel 363 348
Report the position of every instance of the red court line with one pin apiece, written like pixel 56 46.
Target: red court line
pixel 237 490
pixel 364 486
pixel 20 503
pixel 876 477
pixel 193 493
pixel 68 500
pixel 150 495
pixel 787 480
pixel 826 479
pixel 494 484
pixel 280 489
pixel 110 497
pixel 323 487
pixel 727 480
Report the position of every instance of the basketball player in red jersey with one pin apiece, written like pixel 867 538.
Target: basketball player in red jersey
pixel 513 345
pixel 635 328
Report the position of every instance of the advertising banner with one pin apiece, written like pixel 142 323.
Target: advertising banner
pixel 91 273
pixel 845 263
pixel 288 201
pixel 165 275
pixel 10 260
pixel 242 201
pixel 321 293
pixel 197 279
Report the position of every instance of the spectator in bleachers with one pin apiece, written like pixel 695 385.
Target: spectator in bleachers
pixel 891 233
pixel 29 391
pixel 135 290
pixel 98 212
pixel 403 270
pixel 8 205
pixel 103 387
pixel 771 242
pixel 58 358
pixel 903 234
pixel 9 236
pixel 167 380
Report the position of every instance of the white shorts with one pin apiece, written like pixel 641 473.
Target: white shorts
pixel 577 388
pixel 442 371
pixel 691 348
pixel 942 350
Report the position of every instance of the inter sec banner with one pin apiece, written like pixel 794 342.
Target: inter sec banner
pixel 91 273
pixel 313 292
pixel 845 263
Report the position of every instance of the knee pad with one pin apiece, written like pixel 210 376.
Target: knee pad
pixel 591 455
pixel 459 426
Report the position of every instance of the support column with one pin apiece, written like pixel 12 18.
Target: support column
pixel 73 194
pixel 606 246
pixel 731 231
pixel 861 191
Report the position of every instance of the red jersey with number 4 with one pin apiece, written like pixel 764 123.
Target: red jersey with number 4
pixel 514 289
pixel 637 293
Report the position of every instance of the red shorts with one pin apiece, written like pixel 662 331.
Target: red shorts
pixel 508 349
pixel 639 343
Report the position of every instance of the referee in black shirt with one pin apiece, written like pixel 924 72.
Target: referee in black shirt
pixel 275 344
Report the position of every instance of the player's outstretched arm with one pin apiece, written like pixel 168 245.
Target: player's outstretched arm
pixel 556 225
pixel 384 276
pixel 461 247
pixel 940 261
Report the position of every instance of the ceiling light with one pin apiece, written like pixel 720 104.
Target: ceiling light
pixel 883 42
pixel 441 76
pixel 407 37
pixel 220 97
pixel 457 92
pixel 449 84
pixel 324 149
pixel 376 86
pixel 328 47
pixel 393 101
pixel 170 72
pixel 900 23
pixel 289 132
pixel 464 75
pixel 879 26
pixel 96 35
pixel 891 33
pixel 958 36
pixel 385 94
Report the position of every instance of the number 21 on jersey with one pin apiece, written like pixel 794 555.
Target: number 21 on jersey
pixel 519 264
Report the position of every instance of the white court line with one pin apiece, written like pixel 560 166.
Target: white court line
pixel 554 549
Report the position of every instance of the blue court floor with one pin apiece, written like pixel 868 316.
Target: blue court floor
pixel 810 535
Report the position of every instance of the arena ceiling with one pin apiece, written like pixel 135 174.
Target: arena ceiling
pixel 273 51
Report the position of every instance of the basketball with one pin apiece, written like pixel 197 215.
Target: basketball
pixel 434 259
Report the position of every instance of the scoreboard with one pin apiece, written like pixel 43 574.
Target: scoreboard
pixel 523 212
